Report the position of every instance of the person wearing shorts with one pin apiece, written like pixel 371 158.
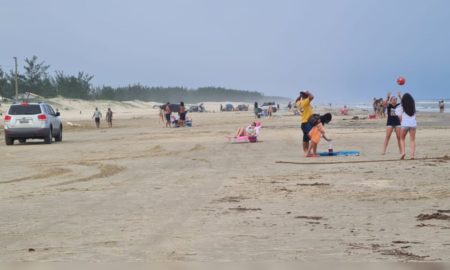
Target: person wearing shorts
pixel 182 114
pixel 97 115
pixel 109 117
pixel 407 114
pixel 167 113
pixel 303 103
pixel 393 121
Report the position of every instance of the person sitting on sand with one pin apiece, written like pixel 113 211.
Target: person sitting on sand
pixel 248 131
pixel 393 122
pixel 407 114
pixel 316 131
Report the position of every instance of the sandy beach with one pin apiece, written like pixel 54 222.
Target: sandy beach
pixel 142 192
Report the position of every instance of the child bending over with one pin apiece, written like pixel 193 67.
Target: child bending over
pixel 317 131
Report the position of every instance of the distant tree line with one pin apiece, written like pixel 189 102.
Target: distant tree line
pixel 37 80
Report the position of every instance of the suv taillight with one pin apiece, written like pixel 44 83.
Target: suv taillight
pixel 7 118
pixel 42 117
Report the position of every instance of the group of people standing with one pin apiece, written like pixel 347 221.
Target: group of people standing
pixel 98 115
pixel 401 118
pixel 379 109
pixel 166 112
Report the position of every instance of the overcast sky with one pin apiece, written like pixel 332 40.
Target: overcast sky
pixel 341 50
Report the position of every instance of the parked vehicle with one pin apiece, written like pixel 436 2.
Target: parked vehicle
pixel 242 107
pixel 173 107
pixel 266 105
pixel 197 108
pixel 228 108
pixel 32 121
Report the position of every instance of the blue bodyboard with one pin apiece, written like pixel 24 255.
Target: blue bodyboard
pixel 339 153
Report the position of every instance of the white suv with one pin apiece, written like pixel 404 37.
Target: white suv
pixel 32 121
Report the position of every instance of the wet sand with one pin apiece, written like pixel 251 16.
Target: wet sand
pixel 142 192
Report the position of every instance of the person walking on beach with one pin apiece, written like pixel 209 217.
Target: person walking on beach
pixel 256 110
pixel 182 114
pixel 167 114
pixel 109 116
pixel 441 106
pixel 97 115
pixel 407 114
pixel 374 106
pixel 303 103
pixel 393 121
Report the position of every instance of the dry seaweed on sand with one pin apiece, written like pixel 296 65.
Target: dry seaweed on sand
pixel 437 215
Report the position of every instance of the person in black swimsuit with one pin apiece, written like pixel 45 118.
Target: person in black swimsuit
pixel 182 114
pixel 393 122
pixel 167 114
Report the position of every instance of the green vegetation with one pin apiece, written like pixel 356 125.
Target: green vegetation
pixel 37 80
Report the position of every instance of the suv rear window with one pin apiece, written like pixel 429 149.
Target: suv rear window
pixel 24 109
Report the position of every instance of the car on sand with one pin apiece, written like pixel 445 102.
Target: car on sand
pixel 228 107
pixel 26 120
pixel 242 107
pixel 265 106
pixel 197 108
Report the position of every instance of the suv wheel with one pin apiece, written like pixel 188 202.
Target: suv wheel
pixel 48 139
pixel 58 137
pixel 22 140
pixel 9 140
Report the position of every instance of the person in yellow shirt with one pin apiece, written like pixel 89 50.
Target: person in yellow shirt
pixel 303 103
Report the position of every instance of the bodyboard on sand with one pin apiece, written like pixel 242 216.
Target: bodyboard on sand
pixel 242 139
pixel 339 153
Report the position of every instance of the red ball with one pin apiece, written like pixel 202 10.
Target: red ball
pixel 401 80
